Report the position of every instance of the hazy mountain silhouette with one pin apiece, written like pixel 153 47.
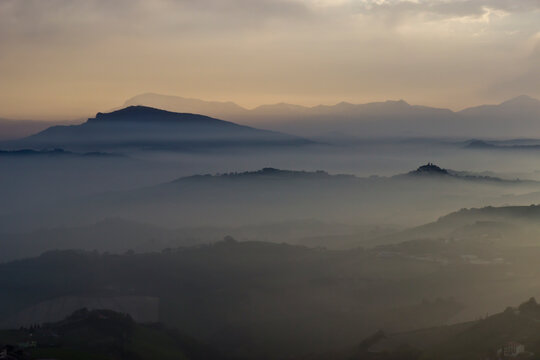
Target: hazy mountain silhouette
pixel 224 110
pixel 509 107
pixel 504 145
pixel 513 118
pixel 150 128
pixel 519 116
pixel 54 152
pixel 274 195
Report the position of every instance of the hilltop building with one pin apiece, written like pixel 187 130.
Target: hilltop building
pixel 512 349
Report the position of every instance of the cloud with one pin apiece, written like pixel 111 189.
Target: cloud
pixel 444 8
pixel 36 19
pixel 525 77
pixel 92 54
pixel 62 20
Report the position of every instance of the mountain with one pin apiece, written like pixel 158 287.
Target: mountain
pixel 143 127
pixel 221 110
pixel 378 118
pixel 516 117
pixel 519 104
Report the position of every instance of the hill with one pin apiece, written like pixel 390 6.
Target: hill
pixel 116 235
pixel 483 338
pixel 235 199
pixel 238 296
pixel 242 297
pixel 103 334
pixel 139 127
pixel 515 224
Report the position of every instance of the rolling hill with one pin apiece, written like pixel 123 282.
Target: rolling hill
pixel 274 195
pixel 480 339
pixel 510 225
pixel 278 300
pixel 103 334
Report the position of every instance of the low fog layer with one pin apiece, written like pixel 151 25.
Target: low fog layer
pixel 274 195
pixel 260 243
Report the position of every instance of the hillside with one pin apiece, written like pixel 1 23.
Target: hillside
pixel 242 297
pixel 103 334
pixel 234 199
pixel 116 235
pixel 472 340
pixel 474 228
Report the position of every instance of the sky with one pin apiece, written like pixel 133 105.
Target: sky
pixel 67 59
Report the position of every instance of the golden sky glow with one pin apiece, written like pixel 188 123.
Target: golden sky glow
pixel 72 58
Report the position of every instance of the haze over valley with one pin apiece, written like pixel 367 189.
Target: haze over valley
pixel 269 180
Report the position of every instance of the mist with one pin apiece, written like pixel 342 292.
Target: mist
pixel 269 180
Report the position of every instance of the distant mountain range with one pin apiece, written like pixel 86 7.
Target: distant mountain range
pixel 505 145
pixel 516 117
pixel 341 123
pixel 140 127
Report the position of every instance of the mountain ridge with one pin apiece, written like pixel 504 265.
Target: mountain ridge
pixel 151 128
pixel 383 118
